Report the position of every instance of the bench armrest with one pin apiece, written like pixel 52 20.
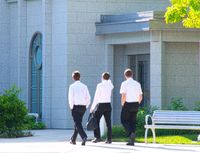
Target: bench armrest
pixel 147 118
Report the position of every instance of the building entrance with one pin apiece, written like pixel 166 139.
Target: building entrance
pixel 140 64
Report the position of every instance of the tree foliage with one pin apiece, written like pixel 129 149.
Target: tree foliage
pixel 185 11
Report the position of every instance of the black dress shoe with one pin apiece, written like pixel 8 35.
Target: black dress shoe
pixel 96 140
pixel 131 140
pixel 130 144
pixel 84 141
pixel 72 142
pixel 108 141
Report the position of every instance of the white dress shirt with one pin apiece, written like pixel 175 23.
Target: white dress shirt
pixel 132 89
pixel 78 94
pixel 103 93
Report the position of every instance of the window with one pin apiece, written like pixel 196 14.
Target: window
pixel 35 105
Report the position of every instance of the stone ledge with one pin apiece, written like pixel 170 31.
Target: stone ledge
pixel 12 1
pixel 15 1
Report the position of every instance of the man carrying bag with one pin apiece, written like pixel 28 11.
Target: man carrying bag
pixel 102 100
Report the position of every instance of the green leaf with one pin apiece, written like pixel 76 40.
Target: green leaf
pixel 185 11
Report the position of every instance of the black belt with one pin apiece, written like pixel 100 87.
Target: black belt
pixel 79 105
pixel 132 102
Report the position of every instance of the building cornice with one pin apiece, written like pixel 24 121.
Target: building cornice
pixel 125 23
pixel 136 22
pixel 15 1
pixel 12 1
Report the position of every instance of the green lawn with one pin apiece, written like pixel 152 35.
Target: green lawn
pixel 175 139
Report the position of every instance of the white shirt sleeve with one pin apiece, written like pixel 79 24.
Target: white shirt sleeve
pixel 70 98
pixel 95 101
pixel 88 98
pixel 123 88
pixel 140 89
pixel 111 85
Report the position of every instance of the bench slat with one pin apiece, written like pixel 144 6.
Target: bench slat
pixel 176 111
pixel 178 118
pixel 177 123
pixel 177 114
pixel 164 114
pixel 173 127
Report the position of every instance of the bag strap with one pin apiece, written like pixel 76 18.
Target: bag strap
pixel 90 116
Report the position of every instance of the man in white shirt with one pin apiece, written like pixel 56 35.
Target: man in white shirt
pixel 102 100
pixel 79 100
pixel 131 97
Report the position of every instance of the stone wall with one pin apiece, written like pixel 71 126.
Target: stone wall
pixel 4 45
pixel 181 73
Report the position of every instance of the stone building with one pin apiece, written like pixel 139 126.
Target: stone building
pixel 43 41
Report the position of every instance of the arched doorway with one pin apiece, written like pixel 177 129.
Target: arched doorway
pixel 35 101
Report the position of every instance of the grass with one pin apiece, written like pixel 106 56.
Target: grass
pixel 174 139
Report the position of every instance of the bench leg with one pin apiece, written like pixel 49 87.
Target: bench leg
pixel 146 134
pixel 154 136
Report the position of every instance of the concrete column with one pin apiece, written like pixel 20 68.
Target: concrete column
pixel 23 51
pixel 47 62
pixel 108 58
pixel 60 116
pixel 156 51
pixel 4 45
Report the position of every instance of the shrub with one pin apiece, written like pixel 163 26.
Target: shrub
pixel 31 124
pixel 197 106
pixel 118 131
pixel 12 114
pixel 39 125
pixel 177 104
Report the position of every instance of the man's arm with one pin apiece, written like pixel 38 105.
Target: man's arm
pixel 140 98
pixel 88 98
pixel 123 93
pixel 95 101
pixel 123 98
pixel 70 98
pixel 140 92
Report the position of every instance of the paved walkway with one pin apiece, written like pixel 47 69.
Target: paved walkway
pixel 57 141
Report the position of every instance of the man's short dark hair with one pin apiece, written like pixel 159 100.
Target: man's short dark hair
pixel 106 76
pixel 76 75
pixel 128 73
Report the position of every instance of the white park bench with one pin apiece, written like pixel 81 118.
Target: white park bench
pixel 168 119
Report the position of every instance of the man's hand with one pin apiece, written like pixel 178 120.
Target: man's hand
pixel 140 99
pixel 91 110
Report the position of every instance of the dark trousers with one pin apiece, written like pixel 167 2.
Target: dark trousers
pixel 77 114
pixel 105 110
pixel 128 116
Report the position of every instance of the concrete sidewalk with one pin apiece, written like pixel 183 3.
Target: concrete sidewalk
pixel 57 141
